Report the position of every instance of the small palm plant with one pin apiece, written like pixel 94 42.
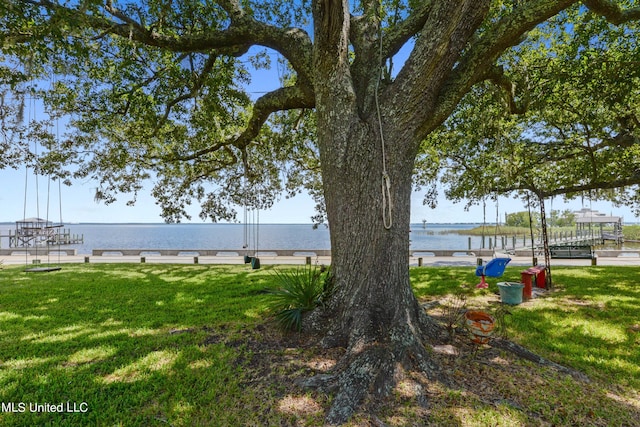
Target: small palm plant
pixel 298 291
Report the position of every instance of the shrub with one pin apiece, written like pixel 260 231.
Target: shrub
pixel 298 291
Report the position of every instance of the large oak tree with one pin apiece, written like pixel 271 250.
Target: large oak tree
pixel 578 131
pixel 154 90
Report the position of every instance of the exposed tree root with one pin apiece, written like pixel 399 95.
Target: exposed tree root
pixel 372 364
pixel 522 352
pixel 370 373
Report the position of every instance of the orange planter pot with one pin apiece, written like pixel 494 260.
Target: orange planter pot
pixel 481 325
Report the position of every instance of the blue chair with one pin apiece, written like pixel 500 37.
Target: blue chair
pixel 494 268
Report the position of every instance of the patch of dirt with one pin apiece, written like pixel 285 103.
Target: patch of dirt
pixel 273 363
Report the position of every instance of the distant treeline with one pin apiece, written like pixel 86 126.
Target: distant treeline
pixel 557 218
pixel 630 232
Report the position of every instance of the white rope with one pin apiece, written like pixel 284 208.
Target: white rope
pixel 257 231
pixel 245 240
pixel 245 229
pixel 387 203
pixel 495 233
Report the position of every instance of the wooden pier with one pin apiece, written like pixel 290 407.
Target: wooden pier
pixel 39 251
pixel 59 238
pixel 40 233
pixel 558 238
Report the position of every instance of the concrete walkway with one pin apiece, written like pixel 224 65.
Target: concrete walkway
pixel 322 260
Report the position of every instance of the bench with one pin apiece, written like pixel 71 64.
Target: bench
pixel 572 251
pixel 539 273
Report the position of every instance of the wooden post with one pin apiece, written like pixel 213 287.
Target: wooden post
pixel 143 260
pixel 86 260
pixel 195 260
pixel 420 262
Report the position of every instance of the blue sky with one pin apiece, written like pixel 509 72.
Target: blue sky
pixel 78 203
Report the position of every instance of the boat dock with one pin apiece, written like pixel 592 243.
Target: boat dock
pixel 558 238
pixel 39 233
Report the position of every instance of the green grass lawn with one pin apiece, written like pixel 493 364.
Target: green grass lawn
pixel 129 340
pixel 184 345
pixel 590 321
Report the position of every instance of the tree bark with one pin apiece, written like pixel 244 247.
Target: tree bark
pixel 368 143
pixel 373 312
pixel 368 134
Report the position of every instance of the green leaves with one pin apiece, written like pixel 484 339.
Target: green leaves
pixel 580 78
pixel 298 291
pixel 157 91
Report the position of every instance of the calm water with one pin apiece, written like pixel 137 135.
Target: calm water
pixel 232 236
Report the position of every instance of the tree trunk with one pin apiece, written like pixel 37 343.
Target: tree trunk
pixel 373 311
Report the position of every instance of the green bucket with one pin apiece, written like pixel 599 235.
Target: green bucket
pixel 511 292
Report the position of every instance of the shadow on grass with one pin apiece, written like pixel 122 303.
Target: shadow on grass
pixel 134 343
pixel 589 323
pixel 124 343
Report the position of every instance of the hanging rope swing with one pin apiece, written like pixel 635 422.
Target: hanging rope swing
pixel 534 260
pixel 497 229
pixel 37 231
pixel 255 261
pixel 251 231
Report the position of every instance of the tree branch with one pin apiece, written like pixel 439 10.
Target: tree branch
pixel 364 33
pixel 286 98
pixel 233 8
pixel 477 63
pixel 612 12
pixel 578 188
pixel 398 36
pixel 193 91
pixel 373 46
pixel 559 150
pixel 446 32
pixel 116 13
pixel 331 25
pixel 243 32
